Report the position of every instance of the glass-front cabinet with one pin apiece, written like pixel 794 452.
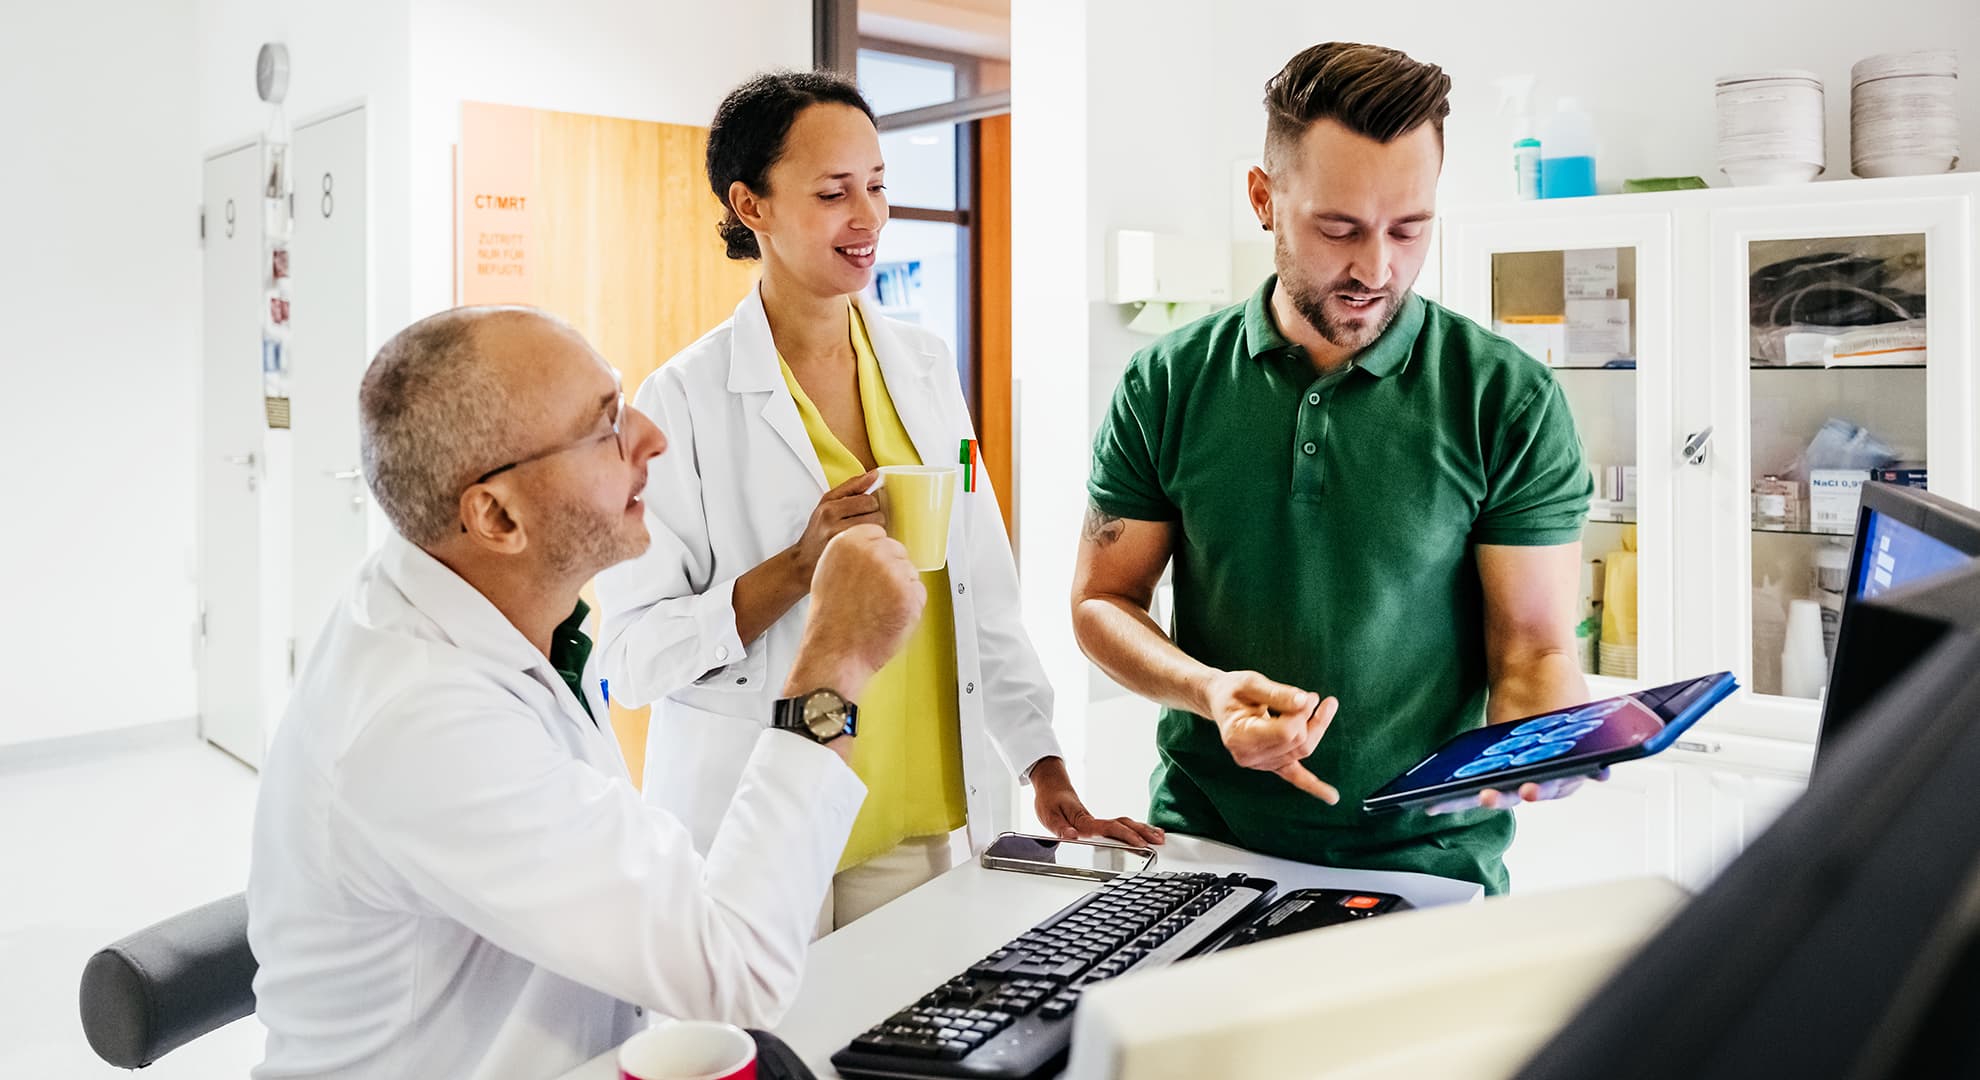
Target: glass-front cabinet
pixel 1739 363
pixel 1836 396
pixel 1593 300
pixel 1850 324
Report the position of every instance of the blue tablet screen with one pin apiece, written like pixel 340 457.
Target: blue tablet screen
pixel 1591 733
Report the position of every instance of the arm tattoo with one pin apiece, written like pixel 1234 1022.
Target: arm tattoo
pixel 1101 528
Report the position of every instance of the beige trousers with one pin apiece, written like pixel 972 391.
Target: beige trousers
pixel 857 890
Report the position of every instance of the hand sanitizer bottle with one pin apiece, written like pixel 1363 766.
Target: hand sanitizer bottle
pixel 1516 104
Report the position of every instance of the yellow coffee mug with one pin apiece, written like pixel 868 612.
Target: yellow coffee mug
pixel 916 501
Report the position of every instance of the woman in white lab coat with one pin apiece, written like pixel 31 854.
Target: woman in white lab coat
pixel 778 418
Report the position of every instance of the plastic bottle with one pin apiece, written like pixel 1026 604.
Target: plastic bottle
pixel 1804 666
pixel 1589 630
pixel 1831 575
pixel 1516 107
pixel 1567 152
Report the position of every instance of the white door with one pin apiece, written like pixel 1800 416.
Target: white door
pixel 330 338
pixel 233 459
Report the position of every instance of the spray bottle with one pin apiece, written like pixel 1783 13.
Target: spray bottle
pixel 1516 109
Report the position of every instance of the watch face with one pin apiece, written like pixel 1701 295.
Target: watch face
pixel 825 713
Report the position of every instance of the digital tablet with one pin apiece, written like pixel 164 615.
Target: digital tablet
pixel 1571 742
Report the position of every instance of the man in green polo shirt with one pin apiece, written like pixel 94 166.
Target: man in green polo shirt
pixel 1374 508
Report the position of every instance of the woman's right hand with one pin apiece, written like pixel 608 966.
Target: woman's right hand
pixel 838 510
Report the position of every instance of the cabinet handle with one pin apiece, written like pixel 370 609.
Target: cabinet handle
pixel 1696 445
pixel 1698 746
pixel 239 459
pixel 343 474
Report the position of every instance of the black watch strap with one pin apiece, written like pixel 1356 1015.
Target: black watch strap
pixel 821 715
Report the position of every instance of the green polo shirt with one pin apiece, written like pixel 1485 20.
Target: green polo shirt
pixel 1328 539
pixel 570 647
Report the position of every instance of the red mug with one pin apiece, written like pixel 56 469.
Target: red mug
pixel 689 1050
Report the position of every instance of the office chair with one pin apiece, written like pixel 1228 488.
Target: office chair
pixel 168 984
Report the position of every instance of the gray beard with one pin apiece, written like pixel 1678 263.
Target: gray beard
pixel 582 541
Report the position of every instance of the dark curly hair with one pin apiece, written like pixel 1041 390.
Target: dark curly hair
pixel 747 137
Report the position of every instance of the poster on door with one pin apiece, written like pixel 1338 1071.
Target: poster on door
pixel 277 226
pixel 497 201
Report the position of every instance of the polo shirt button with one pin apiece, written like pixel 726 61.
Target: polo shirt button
pixel 969 688
pixel 721 652
pixel 1313 398
pixel 1311 448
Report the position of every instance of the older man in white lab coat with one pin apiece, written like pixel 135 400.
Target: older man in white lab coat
pixel 452 873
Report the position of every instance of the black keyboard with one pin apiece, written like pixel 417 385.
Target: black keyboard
pixel 1010 1015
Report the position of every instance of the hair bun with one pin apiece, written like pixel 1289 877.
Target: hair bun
pixel 741 242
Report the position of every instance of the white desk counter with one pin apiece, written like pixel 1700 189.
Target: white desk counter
pixel 869 970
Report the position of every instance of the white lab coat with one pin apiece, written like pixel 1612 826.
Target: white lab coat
pixel 737 484
pixel 452 875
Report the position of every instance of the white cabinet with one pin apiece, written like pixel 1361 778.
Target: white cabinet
pixel 1712 335
pixel 1684 815
pixel 1725 812
pixel 1625 827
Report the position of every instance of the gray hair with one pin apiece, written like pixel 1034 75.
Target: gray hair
pixel 432 417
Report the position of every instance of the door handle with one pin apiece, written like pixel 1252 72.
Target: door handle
pixel 343 474
pixel 240 459
pixel 1697 445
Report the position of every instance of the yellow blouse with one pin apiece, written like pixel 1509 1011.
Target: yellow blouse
pixel 910 738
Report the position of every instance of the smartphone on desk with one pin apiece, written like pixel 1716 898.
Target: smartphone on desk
pixel 1093 860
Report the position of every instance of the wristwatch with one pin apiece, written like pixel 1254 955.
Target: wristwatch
pixel 820 716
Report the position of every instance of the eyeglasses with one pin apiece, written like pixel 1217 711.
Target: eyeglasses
pixel 618 435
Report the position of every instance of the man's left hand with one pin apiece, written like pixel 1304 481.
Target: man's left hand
pixel 1493 799
pixel 1063 815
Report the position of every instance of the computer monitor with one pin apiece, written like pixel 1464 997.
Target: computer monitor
pixel 1842 941
pixel 1903 535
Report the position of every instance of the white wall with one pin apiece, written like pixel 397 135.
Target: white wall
pixel 1645 71
pixel 1093 151
pixel 1052 253
pixel 99 296
pixel 357 51
pixel 670 63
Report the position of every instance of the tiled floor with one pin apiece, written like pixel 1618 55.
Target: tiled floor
pixel 91 849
